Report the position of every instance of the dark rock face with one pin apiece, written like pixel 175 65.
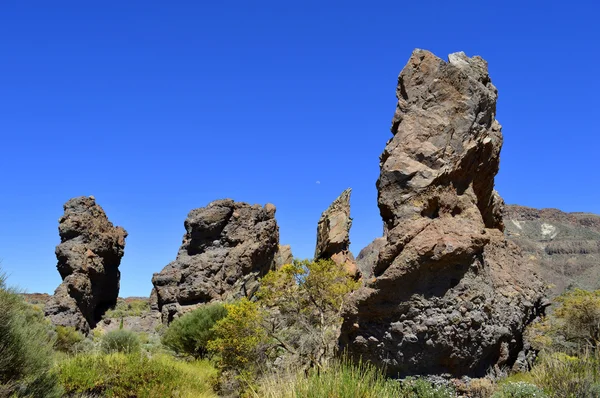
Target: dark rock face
pixel 448 294
pixel 333 234
pixel 88 256
pixel 566 246
pixel 226 247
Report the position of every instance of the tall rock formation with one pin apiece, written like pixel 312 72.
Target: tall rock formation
pixel 449 295
pixel 88 256
pixel 333 234
pixel 226 247
pixel 566 246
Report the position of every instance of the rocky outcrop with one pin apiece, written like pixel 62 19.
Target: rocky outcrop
pixel 333 234
pixel 283 256
pixel 565 246
pixel 368 256
pixel 226 247
pixel 88 256
pixel 448 294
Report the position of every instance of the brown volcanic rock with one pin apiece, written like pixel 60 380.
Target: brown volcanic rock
pixel 283 256
pixel 88 256
pixel 368 256
pixel 226 247
pixel 333 234
pixel 449 295
pixel 566 246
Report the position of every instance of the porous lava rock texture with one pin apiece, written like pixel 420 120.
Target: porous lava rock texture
pixel 566 246
pixel 227 246
pixel 88 256
pixel 333 234
pixel 448 294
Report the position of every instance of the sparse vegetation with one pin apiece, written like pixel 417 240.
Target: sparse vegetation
pixel 293 320
pixel 124 308
pixel 341 378
pixel 519 389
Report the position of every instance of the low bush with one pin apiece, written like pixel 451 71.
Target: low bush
pixel 519 389
pixel 560 375
pixel 135 375
pixel 68 339
pixel 121 340
pixel 25 349
pixel 420 388
pixel 190 334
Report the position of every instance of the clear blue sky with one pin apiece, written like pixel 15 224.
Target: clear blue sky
pixel 157 107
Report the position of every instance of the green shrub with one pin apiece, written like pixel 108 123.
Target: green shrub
pixel 519 389
pixel 239 337
pixel 25 349
pixel 560 375
pixel 68 339
pixel 120 340
pixel 420 388
pixel 190 334
pixel 135 375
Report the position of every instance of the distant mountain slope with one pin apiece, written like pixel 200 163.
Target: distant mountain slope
pixel 566 246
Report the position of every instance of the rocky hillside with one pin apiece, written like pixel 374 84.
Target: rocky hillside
pixel 565 246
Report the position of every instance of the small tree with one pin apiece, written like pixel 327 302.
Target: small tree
pixel 190 334
pixel 305 301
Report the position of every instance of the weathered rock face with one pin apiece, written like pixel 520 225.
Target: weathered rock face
pixel 566 246
pixel 368 257
pixel 448 294
pixel 283 256
pixel 333 234
pixel 226 247
pixel 88 256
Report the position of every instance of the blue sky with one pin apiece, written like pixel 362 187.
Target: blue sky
pixel 156 108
